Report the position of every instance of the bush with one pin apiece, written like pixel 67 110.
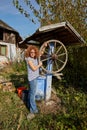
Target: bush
pixel 75 72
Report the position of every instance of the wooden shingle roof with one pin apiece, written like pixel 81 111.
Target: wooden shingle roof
pixel 6 26
pixel 63 32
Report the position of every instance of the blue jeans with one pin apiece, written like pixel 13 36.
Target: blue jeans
pixel 31 96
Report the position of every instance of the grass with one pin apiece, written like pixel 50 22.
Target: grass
pixel 13 112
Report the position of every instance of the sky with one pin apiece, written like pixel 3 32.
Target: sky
pixel 11 16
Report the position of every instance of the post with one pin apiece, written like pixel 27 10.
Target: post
pixel 49 75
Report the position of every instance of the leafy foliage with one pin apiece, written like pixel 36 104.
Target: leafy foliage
pixel 75 73
pixel 52 11
pixel 19 67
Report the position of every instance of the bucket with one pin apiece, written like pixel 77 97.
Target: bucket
pixel 25 96
pixel 40 92
pixel 19 90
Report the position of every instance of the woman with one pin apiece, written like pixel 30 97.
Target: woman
pixel 33 66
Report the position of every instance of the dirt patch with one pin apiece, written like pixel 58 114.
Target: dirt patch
pixel 51 106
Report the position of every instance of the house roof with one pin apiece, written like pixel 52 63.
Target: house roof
pixel 63 32
pixel 5 26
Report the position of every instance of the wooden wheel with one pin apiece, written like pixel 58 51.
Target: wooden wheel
pixel 53 53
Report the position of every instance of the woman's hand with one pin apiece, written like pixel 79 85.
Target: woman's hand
pixel 40 63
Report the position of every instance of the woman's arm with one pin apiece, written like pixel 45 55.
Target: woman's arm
pixel 33 67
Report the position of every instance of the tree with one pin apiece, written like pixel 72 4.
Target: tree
pixel 53 11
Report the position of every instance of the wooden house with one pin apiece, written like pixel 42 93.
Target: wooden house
pixel 9 39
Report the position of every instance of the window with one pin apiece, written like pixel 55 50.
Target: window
pixel 3 50
pixel 1 34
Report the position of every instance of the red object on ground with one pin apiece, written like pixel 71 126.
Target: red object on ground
pixel 19 90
